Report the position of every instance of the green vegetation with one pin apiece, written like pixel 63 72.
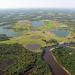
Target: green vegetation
pixel 15 59
pixel 22 25
pixel 22 54
pixel 48 25
pixel 66 57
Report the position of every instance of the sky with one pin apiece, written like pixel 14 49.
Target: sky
pixel 37 3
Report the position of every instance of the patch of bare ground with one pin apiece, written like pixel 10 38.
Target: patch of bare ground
pixel 4 65
pixel 33 46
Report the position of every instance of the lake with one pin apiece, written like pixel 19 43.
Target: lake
pixel 8 32
pixel 60 32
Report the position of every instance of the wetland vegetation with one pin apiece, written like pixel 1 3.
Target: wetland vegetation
pixel 25 32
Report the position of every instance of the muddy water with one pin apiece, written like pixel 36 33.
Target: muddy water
pixel 50 60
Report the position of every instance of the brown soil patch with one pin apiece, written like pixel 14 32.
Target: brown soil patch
pixel 33 46
pixel 5 64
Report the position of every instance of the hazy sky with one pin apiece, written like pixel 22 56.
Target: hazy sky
pixel 37 3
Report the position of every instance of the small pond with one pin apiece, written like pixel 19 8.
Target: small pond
pixel 37 23
pixel 60 32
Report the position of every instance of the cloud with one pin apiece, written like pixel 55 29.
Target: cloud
pixel 37 3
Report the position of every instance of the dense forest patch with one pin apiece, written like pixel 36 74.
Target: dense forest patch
pixel 15 60
pixel 66 57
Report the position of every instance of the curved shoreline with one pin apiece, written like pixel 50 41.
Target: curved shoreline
pixel 57 69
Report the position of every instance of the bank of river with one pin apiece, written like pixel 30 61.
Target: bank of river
pixel 50 59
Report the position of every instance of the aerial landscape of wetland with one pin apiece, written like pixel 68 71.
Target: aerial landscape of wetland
pixel 40 42
pixel 37 37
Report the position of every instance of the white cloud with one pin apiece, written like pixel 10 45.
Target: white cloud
pixel 37 3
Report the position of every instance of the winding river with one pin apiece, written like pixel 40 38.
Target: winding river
pixel 50 59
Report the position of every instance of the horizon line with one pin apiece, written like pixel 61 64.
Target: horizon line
pixel 38 8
